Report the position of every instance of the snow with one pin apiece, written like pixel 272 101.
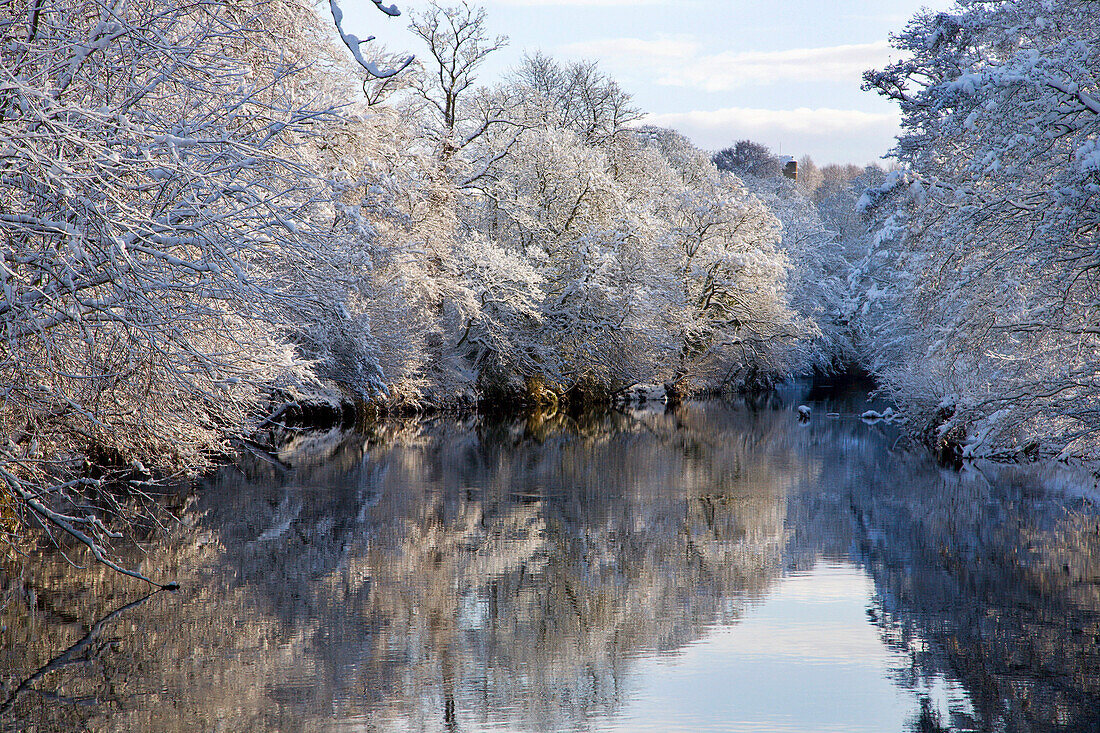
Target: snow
pixel 640 393
pixel 887 415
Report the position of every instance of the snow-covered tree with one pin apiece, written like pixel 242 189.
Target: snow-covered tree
pixel 857 252
pixel 159 242
pixel 838 203
pixel 735 326
pixel 575 96
pixel 809 177
pixel 994 221
pixel 555 203
pixel 818 280
pixel 556 266
pixel 835 177
pixel 649 263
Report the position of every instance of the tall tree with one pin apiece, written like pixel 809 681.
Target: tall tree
pixel 458 43
pixel 749 158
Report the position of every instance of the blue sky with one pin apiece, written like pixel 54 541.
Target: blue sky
pixel 786 74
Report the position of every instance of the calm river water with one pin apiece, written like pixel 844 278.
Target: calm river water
pixel 717 567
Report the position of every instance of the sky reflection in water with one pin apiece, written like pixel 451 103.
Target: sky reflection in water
pixel 806 658
pixel 714 568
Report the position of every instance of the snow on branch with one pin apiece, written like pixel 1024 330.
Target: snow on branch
pixel 390 10
pixel 354 43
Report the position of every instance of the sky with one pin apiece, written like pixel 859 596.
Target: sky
pixel 784 73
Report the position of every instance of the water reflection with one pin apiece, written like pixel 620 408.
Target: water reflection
pixel 84 650
pixel 803 659
pixel 584 574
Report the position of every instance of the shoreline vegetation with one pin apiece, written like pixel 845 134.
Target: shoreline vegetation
pixel 220 216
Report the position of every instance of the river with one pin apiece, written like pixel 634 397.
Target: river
pixel 716 567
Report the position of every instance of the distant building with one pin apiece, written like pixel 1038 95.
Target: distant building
pixel 790 167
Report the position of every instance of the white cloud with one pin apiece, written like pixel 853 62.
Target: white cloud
pixel 634 50
pixel 677 61
pixel 727 70
pixel 829 135
pixel 803 120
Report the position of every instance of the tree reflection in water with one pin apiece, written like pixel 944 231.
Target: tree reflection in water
pixel 454 574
